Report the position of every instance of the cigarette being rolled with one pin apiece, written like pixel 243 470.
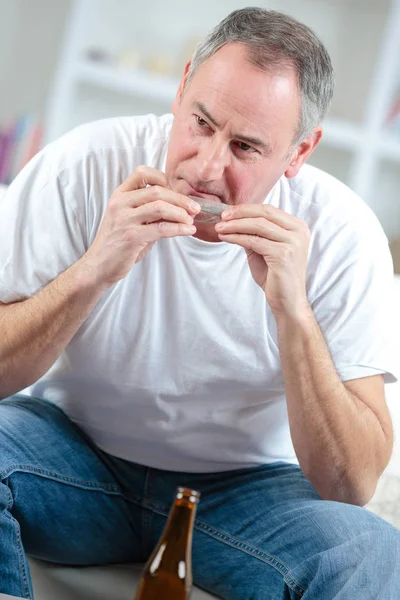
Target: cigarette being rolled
pixel 210 211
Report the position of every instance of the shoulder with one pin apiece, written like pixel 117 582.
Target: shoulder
pixel 345 234
pixel 98 155
pixel 328 205
pixel 109 140
pixel 81 169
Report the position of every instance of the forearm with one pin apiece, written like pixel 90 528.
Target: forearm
pixel 330 428
pixel 35 332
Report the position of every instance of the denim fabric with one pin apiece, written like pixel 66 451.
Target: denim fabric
pixel 261 533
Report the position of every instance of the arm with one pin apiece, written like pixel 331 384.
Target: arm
pixel 35 331
pixel 341 432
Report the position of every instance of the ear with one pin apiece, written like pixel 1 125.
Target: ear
pixel 302 152
pixel 182 84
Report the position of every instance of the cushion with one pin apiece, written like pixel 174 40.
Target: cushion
pixel 119 582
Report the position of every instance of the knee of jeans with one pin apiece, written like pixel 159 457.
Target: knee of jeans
pixel 12 443
pixel 337 523
pixel 22 427
pixel 385 537
pixel 6 498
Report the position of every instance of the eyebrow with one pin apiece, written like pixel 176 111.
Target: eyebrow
pixel 254 141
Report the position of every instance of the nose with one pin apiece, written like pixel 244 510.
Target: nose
pixel 212 160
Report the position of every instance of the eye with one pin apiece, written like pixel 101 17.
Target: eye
pixel 246 148
pixel 200 121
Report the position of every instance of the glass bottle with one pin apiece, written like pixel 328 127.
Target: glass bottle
pixel 167 574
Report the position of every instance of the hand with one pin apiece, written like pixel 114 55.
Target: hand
pixel 276 245
pixel 135 218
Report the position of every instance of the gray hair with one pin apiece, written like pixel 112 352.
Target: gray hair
pixel 273 40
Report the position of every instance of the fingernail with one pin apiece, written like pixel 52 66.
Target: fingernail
pixel 227 213
pixel 194 205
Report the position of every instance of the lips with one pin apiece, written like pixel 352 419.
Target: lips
pixel 203 194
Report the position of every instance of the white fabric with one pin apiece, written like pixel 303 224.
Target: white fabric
pixel 177 367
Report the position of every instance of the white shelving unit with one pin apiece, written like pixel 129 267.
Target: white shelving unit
pixel 127 81
pixel 356 149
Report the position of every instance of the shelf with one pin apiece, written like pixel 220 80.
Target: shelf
pixel 389 147
pixel 128 81
pixel 340 133
pixel 343 134
pixel 385 196
pixel 332 160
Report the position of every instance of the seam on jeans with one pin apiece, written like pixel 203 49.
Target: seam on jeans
pixel 85 484
pixel 80 483
pixel 145 514
pixel 18 543
pixel 254 551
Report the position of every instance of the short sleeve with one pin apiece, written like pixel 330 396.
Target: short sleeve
pixel 354 300
pixel 42 232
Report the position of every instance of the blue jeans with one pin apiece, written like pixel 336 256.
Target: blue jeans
pixel 261 533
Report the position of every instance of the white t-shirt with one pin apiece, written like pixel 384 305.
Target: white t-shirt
pixel 177 367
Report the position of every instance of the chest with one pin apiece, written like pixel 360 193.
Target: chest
pixel 182 321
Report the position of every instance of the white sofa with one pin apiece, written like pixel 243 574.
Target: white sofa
pixel 116 582
pixel 54 582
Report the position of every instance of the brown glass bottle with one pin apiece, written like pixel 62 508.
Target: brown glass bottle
pixel 167 574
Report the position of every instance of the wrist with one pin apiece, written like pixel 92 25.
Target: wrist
pixel 301 316
pixel 88 275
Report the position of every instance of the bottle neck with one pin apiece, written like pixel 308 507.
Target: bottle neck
pixel 178 529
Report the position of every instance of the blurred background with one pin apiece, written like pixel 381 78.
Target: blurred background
pixel 71 61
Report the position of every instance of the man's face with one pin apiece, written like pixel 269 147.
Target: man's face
pixel 232 131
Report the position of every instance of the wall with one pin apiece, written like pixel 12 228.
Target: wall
pixel 30 36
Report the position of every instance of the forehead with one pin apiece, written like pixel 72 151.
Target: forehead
pixel 234 89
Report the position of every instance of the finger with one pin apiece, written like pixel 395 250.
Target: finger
pixel 273 214
pixel 160 210
pixel 258 244
pixel 164 229
pixel 255 226
pixel 158 193
pixel 141 177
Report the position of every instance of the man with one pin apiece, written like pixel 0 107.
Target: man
pixel 245 359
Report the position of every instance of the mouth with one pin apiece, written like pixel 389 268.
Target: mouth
pixel 203 194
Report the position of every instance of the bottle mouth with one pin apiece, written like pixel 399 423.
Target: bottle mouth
pixel 192 495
